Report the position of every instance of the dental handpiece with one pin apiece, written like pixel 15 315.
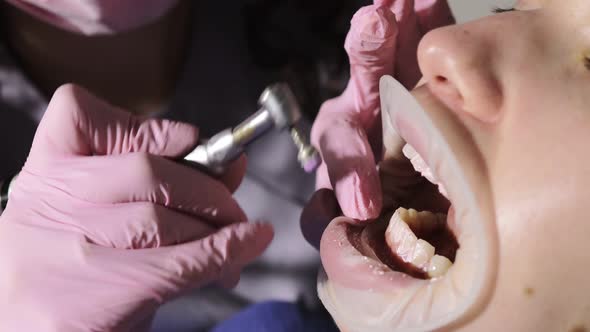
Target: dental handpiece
pixel 278 110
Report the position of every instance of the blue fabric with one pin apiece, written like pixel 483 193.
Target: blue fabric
pixel 277 316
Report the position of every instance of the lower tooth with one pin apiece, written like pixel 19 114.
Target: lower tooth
pixel 410 217
pixel 420 221
pixel 439 265
pixel 403 242
pixel 423 252
pixel 427 217
pixel 421 166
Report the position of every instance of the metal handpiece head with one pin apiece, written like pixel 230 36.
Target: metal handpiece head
pixel 279 101
pixel 280 110
pixel 309 158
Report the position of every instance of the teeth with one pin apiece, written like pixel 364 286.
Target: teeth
pixel 410 217
pixel 439 265
pixel 427 217
pixel 404 243
pixel 423 221
pixel 418 163
pixel 423 252
pixel 400 238
pixel 421 167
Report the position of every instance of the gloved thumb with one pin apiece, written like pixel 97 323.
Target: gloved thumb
pixel 233 175
pixel 168 272
pixel 321 209
pixel 77 123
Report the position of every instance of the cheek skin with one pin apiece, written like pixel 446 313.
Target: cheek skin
pixel 540 176
pixel 540 274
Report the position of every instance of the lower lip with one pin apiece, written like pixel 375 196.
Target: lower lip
pixel 346 266
pixel 372 238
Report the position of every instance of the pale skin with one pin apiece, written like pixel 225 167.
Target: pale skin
pixel 510 94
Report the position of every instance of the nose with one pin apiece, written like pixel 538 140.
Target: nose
pixel 458 64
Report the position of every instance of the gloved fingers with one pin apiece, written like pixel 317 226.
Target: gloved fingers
pixel 407 70
pixel 322 178
pixel 317 214
pixel 232 177
pixel 144 325
pixel 383 3
pixel 141 177
pixel 339 130
pixel 433 14
pixel 371 47
pixel 230 279
pixel 350 165
pixel 169 271
pixel 234 247
pixel 79 123
pixel 139 226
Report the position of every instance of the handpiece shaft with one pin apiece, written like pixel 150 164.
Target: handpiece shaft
pixel 253 127
pixel 226 146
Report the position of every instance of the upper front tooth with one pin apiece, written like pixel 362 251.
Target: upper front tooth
pixel 418 163
pixel 420 166
pixel 409 151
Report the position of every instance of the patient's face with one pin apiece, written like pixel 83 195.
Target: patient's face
pixel 506 131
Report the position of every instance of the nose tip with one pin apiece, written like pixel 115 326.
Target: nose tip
pixel 456 64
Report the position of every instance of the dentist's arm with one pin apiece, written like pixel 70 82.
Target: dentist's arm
pixel 102 227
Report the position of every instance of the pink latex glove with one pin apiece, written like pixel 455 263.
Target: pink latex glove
pixel 347 130
pixel 101 228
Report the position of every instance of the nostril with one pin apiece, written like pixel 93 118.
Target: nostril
pixel 446 91
pixel 440 79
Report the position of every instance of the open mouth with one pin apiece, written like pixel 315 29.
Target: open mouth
pixel 413 236
pixel 430 259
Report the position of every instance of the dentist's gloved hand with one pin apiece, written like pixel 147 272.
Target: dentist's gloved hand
pixel 383 39
pixel 102 227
